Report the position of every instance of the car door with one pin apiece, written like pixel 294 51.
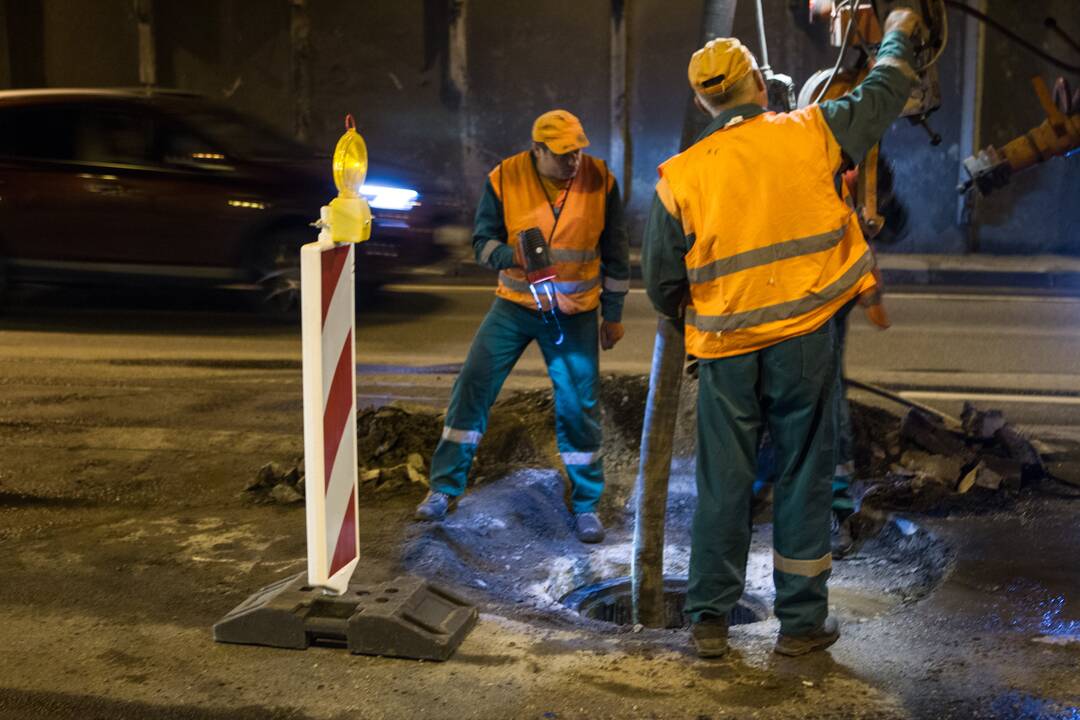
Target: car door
pixel 118 177
pixel 43 199
pixel 204 205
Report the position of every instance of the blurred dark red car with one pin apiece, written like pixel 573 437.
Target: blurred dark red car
pixel 129 185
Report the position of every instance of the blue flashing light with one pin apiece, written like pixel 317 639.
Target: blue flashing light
pixel 385 197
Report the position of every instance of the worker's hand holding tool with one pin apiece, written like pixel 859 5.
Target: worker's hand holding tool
pixel 905 20
pixel 610 333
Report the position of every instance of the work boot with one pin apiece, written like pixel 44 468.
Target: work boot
pixel 588 528
pixel 823 637
pixel 434 506
pixel 843 543
pixel 710 637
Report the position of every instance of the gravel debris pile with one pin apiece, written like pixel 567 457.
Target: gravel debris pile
pixel 911 463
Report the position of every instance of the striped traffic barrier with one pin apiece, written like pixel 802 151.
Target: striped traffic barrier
pixel 328 316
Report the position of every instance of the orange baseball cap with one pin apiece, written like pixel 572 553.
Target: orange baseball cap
pixel 715 68
pixel 560 130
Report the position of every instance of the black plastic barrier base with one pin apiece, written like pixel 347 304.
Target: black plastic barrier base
pixel 406 617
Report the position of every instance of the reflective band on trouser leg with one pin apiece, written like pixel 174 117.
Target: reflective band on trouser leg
pixel 499 342
pixel 574 371
pixel 806 568
pixel 452 459
pixel 470 437
pixel 581 458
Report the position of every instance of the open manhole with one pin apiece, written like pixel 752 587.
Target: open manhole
pixel 611 601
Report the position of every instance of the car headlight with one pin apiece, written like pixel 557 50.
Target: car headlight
pixel 385 197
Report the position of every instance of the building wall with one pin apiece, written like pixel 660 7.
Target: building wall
pixel 5 50
pixel 385 61
pixel 89 43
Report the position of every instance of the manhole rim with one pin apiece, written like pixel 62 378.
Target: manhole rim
pixel 574 599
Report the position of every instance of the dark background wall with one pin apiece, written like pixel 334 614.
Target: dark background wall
pixel 385 61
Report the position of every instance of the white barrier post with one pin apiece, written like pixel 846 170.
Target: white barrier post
pixel 328 314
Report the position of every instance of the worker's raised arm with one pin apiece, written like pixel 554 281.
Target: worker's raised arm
pixel 860 118
pixel 489 232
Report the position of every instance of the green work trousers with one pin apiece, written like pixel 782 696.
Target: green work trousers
pixel 788 388
pixel 573 367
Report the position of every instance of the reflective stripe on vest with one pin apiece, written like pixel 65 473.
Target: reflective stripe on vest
pixel 574 247
pixel 563 288
pixel 765 255
pixel 775 251
pixel 782 311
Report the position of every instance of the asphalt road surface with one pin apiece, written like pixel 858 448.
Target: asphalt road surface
pixel 130 424
pixel 999 349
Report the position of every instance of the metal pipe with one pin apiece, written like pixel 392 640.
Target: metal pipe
pixel 651 489
pixel 888 395
pixel 761 37
pixel 621 149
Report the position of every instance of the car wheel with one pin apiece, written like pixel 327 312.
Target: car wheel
pixel 275 269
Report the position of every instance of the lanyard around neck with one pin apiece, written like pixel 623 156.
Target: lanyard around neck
pixel 551 205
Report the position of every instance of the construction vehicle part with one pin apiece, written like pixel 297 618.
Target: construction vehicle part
pixel 992 167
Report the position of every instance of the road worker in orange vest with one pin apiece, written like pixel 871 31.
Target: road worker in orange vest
pixel 574 200
pixel 749 241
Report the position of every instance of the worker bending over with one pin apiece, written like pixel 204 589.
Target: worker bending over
pixel 749 239
pixel 574 200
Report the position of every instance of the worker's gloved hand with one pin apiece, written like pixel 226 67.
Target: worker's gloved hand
pixel 903 19
pixel 610 333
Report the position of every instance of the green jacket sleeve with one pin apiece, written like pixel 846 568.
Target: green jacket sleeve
pixel 614 259
pixel 860 118
pixel 489 233
pixel 662 260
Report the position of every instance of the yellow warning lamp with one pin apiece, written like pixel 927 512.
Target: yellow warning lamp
pixel 348 217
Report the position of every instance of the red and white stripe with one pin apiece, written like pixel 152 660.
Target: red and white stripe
pixel 328 309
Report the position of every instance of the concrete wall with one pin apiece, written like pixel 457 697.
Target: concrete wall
pixel 5 50
pixel 25 42
pixel 89 43
pixel 233 51
pixel 385 61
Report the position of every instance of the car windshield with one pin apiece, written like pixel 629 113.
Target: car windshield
pixel 244 136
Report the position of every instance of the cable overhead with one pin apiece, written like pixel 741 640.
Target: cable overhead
pixel 983 17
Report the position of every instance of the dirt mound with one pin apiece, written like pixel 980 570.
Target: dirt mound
pixel 911 462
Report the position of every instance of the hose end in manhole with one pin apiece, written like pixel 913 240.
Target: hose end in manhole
pixel 612 601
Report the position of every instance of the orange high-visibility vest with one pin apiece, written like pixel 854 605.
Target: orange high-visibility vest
pixel 775 251
pixel 575 246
